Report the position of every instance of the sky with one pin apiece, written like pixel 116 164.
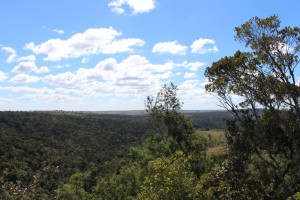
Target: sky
pixel 99 55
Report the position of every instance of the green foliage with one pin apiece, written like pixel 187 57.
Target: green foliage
pixel 169 178
pixel 295 196
pixel 153 148
pixel 225 182
pixel 121 185
pixel 40 150
pixel 264 136
pixel 164 111
pixel 171 123
pixel 74 188
pixel 74 156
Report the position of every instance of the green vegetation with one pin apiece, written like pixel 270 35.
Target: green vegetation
pixel 68 155
pixel 264 145
pixel 39 150
pixel 178 155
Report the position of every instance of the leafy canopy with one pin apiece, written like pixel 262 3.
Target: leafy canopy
pixel 261 90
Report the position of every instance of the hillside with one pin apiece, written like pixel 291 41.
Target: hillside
pixel 55 146
pixel 39 150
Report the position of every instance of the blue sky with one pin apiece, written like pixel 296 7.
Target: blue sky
pixel 110 54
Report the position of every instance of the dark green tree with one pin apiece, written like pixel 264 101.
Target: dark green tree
pixel 172 123
pixel 166 116
pixel 261 90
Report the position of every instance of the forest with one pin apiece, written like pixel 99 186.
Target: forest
pixel 66 155
pixel 39 150
pixel 249 150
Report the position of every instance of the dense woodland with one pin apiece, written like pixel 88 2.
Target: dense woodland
pixel 39 150
pixel 250 151
pixel 43 153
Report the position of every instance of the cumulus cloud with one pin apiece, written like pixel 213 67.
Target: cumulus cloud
pixel 123 45
pixel 203 46
pixel 134 76
pixel 67 78
pixel 12 52
pixel 42 70
pixel 188 75
pixel 90 42
pixel 45 94
pixel 30 58
pixel 192 66
pixel 137 6
pixel 193 94
pixel 104 70
pixel 3 76
pixel 135 70
pixel 24 78
pixel 170 47
pixel 25 67
pixel 134 66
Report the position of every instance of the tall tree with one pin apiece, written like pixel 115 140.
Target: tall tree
pixel 166 116
pixel 261 89
pixel 171 123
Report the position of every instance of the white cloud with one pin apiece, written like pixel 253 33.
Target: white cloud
pixel 124 45
pixel 59 66
pixel 192 66
pixel 193 94
pixel 187 86
pixel 90 42
pixel 25 67
pixel 67 78
pixel 203 46
pixel 6 101
pixel 103 70
pixel 24 78
pixel 137 6
pixel 133 76
pixel 170 47
pixel 3 76
pixel 43 90
pixel 189 75
pixel 42 70
pixel 30 58
pixel 134 67
pixel 49 97
pixel 59 31
pixel 22 89
pixel 45 94
pixel 139 63
pixel 165 75
pixel 12 52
